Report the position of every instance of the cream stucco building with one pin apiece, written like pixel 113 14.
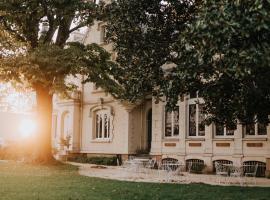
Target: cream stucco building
pixel 101 125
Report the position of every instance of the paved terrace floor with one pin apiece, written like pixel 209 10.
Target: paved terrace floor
pixel 125 174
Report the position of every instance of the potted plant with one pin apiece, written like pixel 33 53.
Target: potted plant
pixel 65 143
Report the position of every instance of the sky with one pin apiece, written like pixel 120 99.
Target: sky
pixel 15 101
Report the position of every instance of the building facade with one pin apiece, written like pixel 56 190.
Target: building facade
pixel 101 125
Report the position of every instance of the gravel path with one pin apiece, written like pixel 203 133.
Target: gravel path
pixel 144 175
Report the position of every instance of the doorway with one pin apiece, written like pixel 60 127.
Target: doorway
pixel 149 130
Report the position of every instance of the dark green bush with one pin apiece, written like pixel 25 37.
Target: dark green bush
pixel 112 161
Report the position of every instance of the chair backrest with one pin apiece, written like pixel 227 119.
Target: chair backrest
pixel 236 170
pixel 152 163
pixel 220 168
pixel 255 170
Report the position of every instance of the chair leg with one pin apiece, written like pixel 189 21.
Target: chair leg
pixel 254 180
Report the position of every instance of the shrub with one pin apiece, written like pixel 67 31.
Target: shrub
pixel 112 161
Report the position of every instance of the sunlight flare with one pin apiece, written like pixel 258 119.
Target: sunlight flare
pixel 27 128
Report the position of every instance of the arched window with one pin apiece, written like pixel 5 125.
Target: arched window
pixel 172 160
pixel 66 129
pixel 194 165
pixel 249 165
pixel 102 123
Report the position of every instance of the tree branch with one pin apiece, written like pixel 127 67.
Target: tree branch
pixel 52 23
pixel 77 27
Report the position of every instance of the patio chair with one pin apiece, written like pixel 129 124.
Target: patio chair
pixel 150 166
pixel 237 172
pixel 221 172
pixel 164 170
pixel 252 173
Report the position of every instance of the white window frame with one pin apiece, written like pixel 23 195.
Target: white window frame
pixel 102 113
pixel 172 122
pixel 225 132
pixel 256 135
pixel 195 101
pixel 103 34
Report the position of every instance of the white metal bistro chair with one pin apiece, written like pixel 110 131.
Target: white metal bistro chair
pixel 221 172
pixel 237 172
pixel 164 170
pixel 150 166
pixel 252 171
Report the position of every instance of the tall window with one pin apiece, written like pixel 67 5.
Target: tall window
pixel 255 129
pixel 222 130
pixel 196 117
pixel 172 123
pixel 102 124
pixel 103 34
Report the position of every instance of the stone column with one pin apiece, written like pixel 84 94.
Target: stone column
pixel 238 142
pixel 208 150
pixel 182 128
pixel 157 128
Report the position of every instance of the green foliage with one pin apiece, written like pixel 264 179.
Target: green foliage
pixel 143 33
pixel 219 48
pixel 95 160
pixel 228 56
pixel 22 18
pixel 44 58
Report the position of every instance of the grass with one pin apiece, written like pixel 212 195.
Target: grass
pixel 62 182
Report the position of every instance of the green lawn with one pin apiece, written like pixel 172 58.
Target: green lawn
pixel 27 182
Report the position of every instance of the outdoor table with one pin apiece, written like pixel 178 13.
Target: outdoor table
pixel 171 169
pixel 138 164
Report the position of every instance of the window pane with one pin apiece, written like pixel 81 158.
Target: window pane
pixel 97 125
pixel 201 121
pixel 250 129
pixel 100 126
pixel 168 124
pixel 219 129
pixel 105 126
pixel 109 126
pixel 192 120
pixel 230 130
pixel 176 121
pixel 262 129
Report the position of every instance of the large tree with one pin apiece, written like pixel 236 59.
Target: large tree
pixel 43 59
pixel 219 48
pixel 226 49
pixel 143 33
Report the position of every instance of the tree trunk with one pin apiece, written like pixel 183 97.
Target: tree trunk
pixel 44 117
